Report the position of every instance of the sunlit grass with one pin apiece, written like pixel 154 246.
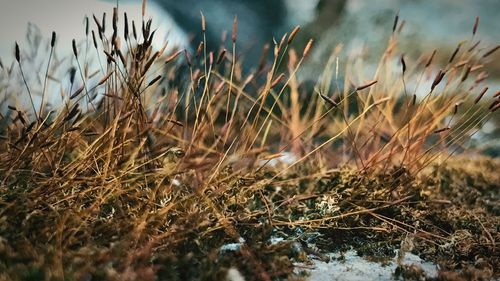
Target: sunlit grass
pixel 153 156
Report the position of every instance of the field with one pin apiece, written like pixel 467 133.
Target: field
pixel 184 165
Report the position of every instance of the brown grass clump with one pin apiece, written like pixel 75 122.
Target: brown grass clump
pixel 146 173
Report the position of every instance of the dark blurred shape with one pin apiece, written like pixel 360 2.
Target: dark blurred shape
pixel 258 21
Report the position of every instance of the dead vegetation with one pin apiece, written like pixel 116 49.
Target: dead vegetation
pixel 149 171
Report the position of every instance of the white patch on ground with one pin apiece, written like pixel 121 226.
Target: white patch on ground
pixel 176 182
pixel 232 247
pixel 286 158
pixel 354 267
pixel 276 240
pixel 233 274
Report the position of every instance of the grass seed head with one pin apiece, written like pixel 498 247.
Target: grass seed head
pixel 75 50
pixel 491 51
pixel 308 47
pixel 293 34
pixel 53 39
pixel 235 29
pixel 431 57
pixel 17 53
pixel 367 85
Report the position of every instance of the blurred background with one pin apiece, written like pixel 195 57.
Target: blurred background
pixel 357 24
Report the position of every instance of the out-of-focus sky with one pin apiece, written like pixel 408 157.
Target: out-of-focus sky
pixel 66 17
pixel 428 22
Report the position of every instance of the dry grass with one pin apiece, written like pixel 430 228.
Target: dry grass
pixel 90 188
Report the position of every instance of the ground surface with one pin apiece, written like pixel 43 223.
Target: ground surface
pixel 448 217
